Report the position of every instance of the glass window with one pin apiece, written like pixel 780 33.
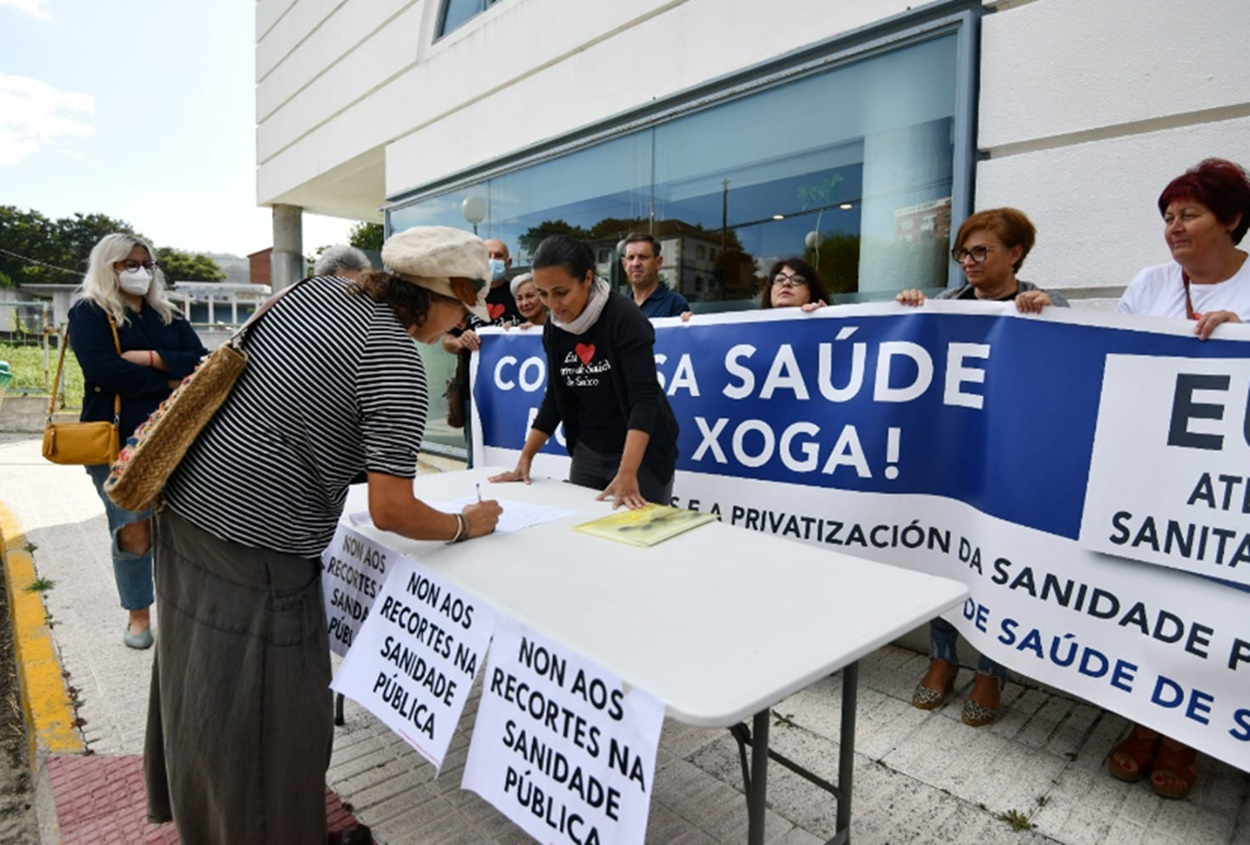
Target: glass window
pixel 453 209
pixel 851 169
pixel 818 169
pixel 456 12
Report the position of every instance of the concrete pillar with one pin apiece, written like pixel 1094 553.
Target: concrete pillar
pixel 286 265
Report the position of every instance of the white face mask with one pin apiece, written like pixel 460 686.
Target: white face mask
pixel 135 281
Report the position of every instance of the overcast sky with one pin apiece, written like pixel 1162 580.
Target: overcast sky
pixel 143 110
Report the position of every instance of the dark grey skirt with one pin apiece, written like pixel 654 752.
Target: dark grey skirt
pixel 240 726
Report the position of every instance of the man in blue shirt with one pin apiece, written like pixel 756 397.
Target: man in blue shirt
pixel 641 260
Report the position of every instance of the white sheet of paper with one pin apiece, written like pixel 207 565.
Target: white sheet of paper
pixel 559 746
pixel 516 515
pixel 413 661
pixel 353 568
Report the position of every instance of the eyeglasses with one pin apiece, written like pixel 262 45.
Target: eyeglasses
pixel 789 280
pixel 135 265
pixel 978 254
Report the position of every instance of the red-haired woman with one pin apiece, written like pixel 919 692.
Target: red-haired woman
pixel 1206 211
pixel 990 248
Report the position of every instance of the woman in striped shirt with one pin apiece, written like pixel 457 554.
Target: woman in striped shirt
pixel 239 726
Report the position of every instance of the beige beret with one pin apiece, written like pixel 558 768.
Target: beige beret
pixel 431 256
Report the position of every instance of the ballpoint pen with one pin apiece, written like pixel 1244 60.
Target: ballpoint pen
pixel 479 492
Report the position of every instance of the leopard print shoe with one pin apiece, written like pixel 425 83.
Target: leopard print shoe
pixel 976 715
pixel 928 698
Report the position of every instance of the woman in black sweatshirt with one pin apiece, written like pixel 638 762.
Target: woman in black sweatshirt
pixel 601 383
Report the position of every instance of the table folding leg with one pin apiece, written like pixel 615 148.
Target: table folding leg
pixel 755 779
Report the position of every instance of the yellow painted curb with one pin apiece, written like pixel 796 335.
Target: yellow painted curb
pixel 45 701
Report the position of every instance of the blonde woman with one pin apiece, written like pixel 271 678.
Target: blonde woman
pixel 124 288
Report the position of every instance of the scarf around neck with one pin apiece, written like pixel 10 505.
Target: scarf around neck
pixel 581 324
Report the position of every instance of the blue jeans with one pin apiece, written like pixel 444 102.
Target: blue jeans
pixel 132 572
pixel 942 640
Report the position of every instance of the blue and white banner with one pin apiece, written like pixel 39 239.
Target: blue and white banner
pixel 1085 474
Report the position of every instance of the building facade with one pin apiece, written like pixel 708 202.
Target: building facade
pixel 857 135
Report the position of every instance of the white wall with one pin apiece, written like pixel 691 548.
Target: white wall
pixel 1089 108
pixel 340 84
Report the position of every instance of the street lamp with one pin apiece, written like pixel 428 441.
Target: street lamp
pixel 474 210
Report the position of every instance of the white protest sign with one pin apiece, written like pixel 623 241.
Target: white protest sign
pixel 559 746
pixel 414 660
pixel 1160 490
pixel 353 569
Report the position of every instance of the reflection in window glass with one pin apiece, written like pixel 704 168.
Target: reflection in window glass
pixel 850 169
pixel 447 210
pixel 456 12
pixel 597 195
pixel 832 168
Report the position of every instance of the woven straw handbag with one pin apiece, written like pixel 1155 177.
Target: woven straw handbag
pixel 157 447
pixel 81 443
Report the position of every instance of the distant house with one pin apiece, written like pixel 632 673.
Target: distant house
pixel 260 271
pixel 214 303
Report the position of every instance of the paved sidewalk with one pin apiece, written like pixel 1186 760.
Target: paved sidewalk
pixel 920 776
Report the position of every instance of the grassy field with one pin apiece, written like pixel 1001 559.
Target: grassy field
pixel 29 376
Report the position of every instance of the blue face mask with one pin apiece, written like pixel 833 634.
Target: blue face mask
pixel 498 270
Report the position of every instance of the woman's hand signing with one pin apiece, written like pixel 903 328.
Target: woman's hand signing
pixel 482 516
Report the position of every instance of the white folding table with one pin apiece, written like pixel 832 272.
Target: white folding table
pixel 719 623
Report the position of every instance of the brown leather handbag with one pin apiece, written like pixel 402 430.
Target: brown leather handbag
pixel 141 470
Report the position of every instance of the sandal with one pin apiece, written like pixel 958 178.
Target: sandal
pixel 1174 770
pixel 1140 747
pixel 928 698
pixel 975 714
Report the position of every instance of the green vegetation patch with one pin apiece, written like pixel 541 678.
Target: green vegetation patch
pixel 29 375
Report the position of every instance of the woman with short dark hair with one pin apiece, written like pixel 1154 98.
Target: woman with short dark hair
pixel 601 383
pixel 793 283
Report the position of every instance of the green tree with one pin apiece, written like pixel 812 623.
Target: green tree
pixel 26 242
pixel 37 250
pixel 179 266
pixel 535 234
pixel 366 236
pixel 837 262
pixel 77 235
